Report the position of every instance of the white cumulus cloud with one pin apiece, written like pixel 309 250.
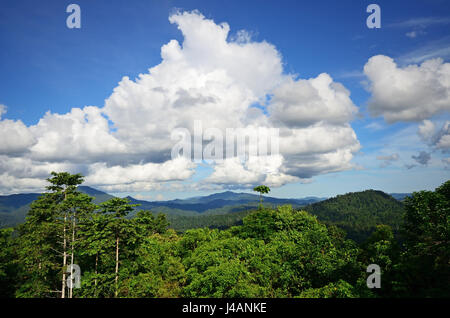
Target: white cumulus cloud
pixel 304 102
pixel 16 138
pixel 411 93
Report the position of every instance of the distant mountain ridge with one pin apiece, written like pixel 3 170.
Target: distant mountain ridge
pixel 13 208
pixel 99 196
pixel 217 203
pixel 9 203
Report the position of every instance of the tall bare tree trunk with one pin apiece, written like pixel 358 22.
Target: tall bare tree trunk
pixel 72 248
pixel 117 267
pixel 63 290
pixel 96 266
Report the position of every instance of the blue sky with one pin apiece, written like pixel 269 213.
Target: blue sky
pixel 47 67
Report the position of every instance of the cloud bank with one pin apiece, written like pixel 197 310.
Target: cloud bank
pixel 212 77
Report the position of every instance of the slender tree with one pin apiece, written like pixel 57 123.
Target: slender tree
pixel 81 206
pixel 117 209
pixel 62 185
pixel 262 189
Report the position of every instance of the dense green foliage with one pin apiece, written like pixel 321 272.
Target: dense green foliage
pixel 426 233
pixel 273 253
pixel 215 221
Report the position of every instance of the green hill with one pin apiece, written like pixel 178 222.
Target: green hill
pixel 359 212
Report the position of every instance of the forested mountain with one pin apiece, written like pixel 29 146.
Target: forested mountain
pixel 358 213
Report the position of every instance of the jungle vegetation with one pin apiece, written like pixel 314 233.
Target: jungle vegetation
pixel 279 252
